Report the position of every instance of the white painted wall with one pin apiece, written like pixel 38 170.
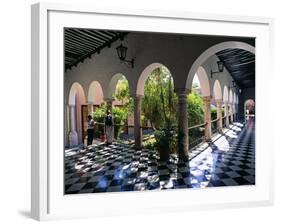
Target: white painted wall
pixel 176 52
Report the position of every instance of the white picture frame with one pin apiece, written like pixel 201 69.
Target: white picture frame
pixel 47 200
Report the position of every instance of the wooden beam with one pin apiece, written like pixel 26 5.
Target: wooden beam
pixel 86 38
pixel 98 41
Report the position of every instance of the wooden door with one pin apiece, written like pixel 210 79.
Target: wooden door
pixel 84 113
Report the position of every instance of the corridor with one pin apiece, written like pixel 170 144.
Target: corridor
pixel 228 160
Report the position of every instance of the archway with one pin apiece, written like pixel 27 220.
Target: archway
pixel 119 102
pixel 225 107
pixel 95 96
pixel 213 50
pixel 155 104
pixel 230 101
pixel 159 98
pixel 144 75
pixel 111 88
pixel 249 109
pixel 204 92
pixel 76 100
pixel 217 96
pixel 199 108
pixel 217 90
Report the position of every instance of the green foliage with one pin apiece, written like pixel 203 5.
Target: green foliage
pixel 195 109
pixel 159 102
pixel 213 113
pixel 166 142
pixel 122 91
pixel 98 117
pixel 222 110
pixel 150 144
pixel 99 114
pixel 120 115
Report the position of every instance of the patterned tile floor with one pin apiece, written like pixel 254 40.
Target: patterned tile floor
pixel 229 160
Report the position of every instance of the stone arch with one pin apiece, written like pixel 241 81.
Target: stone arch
pixel 213 50
pixel 230 99
pixel 95 93
pixel 217 90
pixel 76 90
pixel 225 94
pixel 76 99
pixel 251 103
pixel 144 75
pixel 204 81
pixel 112 85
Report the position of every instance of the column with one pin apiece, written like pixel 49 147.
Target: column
pixel 219 115
pixel 109 102
pixel 231 112
pixel 183 140
pixel 137 121
pixel 73 137
pixel 226 113
pixel 207 117
pixel 90 108
pixel 236 110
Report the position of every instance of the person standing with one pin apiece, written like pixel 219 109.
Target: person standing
pixel 90 130
pixel 108 123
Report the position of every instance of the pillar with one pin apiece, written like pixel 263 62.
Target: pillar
pixel 109 103
pixel 231 112
pixel 183 140
pixel 73 136
pixel 137 121
pixel 207 117
pixel 90 108
pixel 236 110
pixel 226 113
pixel 219 115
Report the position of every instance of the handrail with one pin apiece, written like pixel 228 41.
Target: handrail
pixel 125 125
pixel 197 126
pixel 214 120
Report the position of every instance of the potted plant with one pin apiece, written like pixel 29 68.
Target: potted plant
pixel 165 142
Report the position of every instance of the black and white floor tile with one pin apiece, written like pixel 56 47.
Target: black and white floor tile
pixel 229 160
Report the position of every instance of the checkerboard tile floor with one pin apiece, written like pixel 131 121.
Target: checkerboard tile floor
pixel 229 160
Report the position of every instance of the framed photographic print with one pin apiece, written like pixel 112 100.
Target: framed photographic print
pixel 149 111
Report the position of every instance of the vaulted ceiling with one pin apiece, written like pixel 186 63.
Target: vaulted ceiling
pixel 241 66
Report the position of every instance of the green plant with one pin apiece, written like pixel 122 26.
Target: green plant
pixel 213 113
pixel 159 96
pixel 150 144
pixel 195 109
pixel 120 115
pixel 166 142
pixel 98 116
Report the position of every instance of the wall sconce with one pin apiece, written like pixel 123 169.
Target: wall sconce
pixel 220 68
pixel 122 52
